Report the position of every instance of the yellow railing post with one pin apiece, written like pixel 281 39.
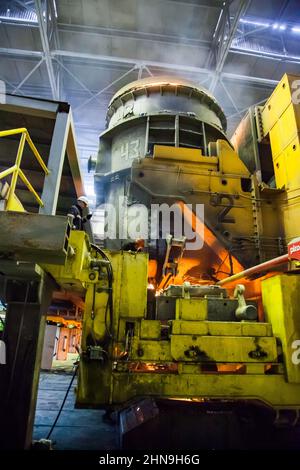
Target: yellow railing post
pixel 36 153
pixel 7 172
pixel 30 187
pixel 15 174
pixel 16 171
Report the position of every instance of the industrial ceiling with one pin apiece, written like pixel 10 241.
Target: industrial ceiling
pixel 84 51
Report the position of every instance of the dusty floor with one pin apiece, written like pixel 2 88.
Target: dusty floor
pixel 85 429
pixel 75 429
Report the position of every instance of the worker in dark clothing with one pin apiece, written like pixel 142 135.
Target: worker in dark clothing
pixel 79 213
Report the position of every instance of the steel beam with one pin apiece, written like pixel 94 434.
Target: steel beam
pixel 105 88
pixel 199 3
pixel 74 77
pixel 266 55
pixel 23 4
pixel 7 82
pixel 148 70
pixel 46 47
pixel 129 61
pixel 249 79
pixel 244 110
pixel 72 154
pixel 28 76
pixel 226 42
pixel 106 31
pixel 21 52
pixel 230 98
pixel 218 32
pixel 137 35
pixel 32 106
pixel 55 163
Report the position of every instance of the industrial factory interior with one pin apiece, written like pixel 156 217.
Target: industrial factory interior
pixel 149 228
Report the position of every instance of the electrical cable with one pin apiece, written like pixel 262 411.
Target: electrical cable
pixel 63 403
pixel 109 304
pixel 93 304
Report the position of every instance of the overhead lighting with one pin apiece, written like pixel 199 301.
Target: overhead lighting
pixel 275 26
pixel 55 9
pixel 16 18
pixel 255 23
pixel 256 52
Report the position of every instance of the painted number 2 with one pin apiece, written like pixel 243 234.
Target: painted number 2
pixel 218 200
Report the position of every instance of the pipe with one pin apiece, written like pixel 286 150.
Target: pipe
pixel 255 269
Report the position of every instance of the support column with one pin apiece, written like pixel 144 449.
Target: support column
pixel 55 163
pixel 27 305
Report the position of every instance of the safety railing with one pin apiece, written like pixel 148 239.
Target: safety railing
pixel 16 171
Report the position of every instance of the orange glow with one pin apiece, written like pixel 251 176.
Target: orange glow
pixel 64 322
pixel 71 296
pixel 154 367
pixel 194 400
pixel 152 268
pixel 202 266
pixel 210 240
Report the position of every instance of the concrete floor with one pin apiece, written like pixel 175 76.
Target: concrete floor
pixel 79 429
pixel 76 428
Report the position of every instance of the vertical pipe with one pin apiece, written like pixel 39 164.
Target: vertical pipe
pixel 147 135
pixel 204 139
pixel 177 130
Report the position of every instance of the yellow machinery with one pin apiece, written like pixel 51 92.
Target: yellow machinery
pixel 198 340
pixel 161 325
pixel 187 357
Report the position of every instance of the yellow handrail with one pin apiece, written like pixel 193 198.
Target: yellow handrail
pixel 16 171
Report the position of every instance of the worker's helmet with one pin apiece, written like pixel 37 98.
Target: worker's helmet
pixel 83 199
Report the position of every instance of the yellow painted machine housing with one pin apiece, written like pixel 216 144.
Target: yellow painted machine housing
pixel 126 355
pixel 238 360
pixel 279 124
pixel 244 217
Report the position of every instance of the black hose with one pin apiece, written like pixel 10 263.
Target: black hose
pixel 63 403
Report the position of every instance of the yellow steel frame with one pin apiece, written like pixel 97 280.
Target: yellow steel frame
pixel 158 366
pixel 16 171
